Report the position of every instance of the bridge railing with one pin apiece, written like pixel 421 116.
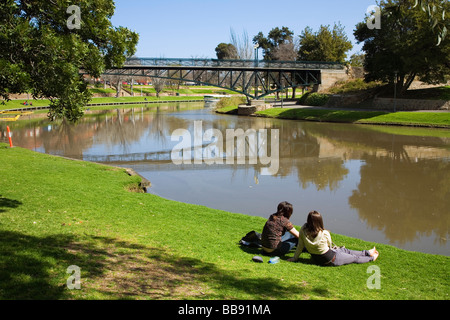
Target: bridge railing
pixel 233 63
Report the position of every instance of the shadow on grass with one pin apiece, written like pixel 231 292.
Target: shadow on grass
pixel 267 256
pixel 36 268
pixel 8 203
pixel 25 266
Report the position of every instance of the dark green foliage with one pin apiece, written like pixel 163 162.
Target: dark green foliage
pixel 324 45
pixel 275 39
pixel 42 55
pixel 405 47
pixel 314 99
pixel 226 51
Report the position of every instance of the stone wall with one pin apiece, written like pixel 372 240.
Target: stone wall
pixel 255 105
pixel 410 104
pixel 365 101
pixel 330 77
pixel 349 100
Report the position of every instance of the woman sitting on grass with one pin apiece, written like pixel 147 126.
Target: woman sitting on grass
pixel 318 242
pixel 274 239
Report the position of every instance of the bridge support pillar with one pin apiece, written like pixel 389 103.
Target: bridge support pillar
pixel 255 105
pixel 255 102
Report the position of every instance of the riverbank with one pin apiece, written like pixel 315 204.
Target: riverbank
pixel 60 212
pixel 44 103
pixel 436 119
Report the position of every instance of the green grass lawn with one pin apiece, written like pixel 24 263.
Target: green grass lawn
pixel 55 213
pixel 16 104
pixel 102 90
pixel 429 119
pixel 142 99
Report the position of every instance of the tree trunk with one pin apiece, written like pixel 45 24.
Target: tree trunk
pixel 408 83
pixel 398 84
pixel 118 88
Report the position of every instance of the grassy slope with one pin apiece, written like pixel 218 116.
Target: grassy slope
pixel 56 212
pixel 15 104
pixel 437 93
pixel 434 119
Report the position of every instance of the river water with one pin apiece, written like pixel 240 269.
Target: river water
pixel 383 184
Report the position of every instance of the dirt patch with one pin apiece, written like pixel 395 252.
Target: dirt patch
pixel 123 271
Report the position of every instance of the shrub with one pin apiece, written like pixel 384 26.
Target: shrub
pixel 230 102
pixel 314 99
pixel 353 86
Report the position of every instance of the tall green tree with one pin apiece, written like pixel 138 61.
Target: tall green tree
pixel 43 50
pixel 405 47
pixel 276 38
pixel 357 60
pixel 326 44
pixel 226 51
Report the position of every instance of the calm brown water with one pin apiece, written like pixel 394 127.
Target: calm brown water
pixel 382 184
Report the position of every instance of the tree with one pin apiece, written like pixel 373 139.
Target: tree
pixel 277 44
pixel 115 82
pixel 436 16
pixel 242 44
pixel 158 85
pixel 285 52
pixel 405 47
pixel 226 51
pixel 42 54
pixel 357 60
pixel 326 44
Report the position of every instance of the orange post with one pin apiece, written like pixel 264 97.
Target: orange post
pixel 9 135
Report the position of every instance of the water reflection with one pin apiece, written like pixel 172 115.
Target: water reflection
pixel 405 199
pixel 369 182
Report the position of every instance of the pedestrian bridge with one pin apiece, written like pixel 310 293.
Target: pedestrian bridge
pixel 253 78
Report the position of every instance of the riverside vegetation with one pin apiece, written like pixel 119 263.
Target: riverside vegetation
pixel 19 104
pixel 230 104
pixel 417 119
pixel 56 212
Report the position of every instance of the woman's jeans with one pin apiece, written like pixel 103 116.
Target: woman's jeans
pixel 346 256
pixel 288 242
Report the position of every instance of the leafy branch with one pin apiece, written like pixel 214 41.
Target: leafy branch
pixel 436 16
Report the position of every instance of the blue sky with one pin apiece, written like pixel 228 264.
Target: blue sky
pixel 193 28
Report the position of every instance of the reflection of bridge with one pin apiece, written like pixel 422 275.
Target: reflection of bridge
pixel 236 75
pixel 164 156
pixel 303 151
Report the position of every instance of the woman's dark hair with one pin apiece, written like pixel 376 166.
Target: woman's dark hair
pixel 285 209
pixel 314 224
